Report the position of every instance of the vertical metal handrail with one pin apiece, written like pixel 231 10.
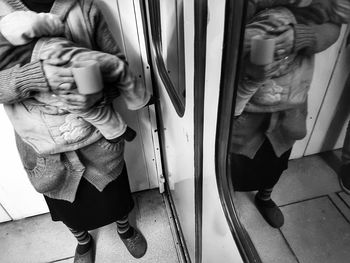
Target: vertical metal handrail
pixel 200 48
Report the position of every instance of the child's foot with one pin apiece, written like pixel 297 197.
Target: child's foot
pixel 344 178
pixel 270 211
pixel 134 242
pixel 85 253
pixel 128 135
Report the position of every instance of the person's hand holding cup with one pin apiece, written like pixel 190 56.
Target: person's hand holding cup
pixel 261 61
pixel 87 76
pixel 89 86
pixel 262 50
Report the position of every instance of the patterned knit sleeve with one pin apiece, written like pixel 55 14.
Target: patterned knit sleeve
pixel 317 27
pixel 19 81
pixel 314 38
pixel 133 92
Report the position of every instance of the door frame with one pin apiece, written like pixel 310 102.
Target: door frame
pixel 231 63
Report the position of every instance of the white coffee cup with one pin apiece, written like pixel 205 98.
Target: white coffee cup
pixel 262 50
pixel 87 76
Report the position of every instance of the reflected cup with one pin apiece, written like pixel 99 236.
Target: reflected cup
pixel 262 50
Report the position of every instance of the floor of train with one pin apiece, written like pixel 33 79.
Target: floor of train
pixel 38 239
pixel 316 211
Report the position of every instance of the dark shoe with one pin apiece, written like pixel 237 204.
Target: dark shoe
pixel 128 135
pixel 136 244
pixel 270 212
pixel 88 256
pixel 344 178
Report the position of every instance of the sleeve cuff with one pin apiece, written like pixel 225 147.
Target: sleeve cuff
pixel 142 104
pixel 304 38
pixel 30 78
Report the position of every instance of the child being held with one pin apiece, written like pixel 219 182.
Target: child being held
pixel 17 31
pixel 282 20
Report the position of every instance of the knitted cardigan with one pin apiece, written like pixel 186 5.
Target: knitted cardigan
pixel 21 81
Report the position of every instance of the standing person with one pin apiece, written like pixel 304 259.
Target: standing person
pixel 82 175
pixel 272 99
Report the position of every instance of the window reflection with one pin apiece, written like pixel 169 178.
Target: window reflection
pixel 291 104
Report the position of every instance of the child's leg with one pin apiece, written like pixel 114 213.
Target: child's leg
pixel 271 168
pixel 124 228
pixel 106 120
pixel 245 92
pixel 268 208
pixel 85 249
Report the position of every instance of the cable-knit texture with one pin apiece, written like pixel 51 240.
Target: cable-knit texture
pixel 17 5
pixel 31 75
pixel 29 78
pixel 304 38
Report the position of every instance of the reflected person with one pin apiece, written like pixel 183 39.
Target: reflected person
pixel 271 103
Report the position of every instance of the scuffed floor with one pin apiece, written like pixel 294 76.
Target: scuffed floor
pixel 316 211
pixel 38 239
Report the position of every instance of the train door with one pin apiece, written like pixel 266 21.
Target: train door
pixel 187 114
pixel 17 197
pixel 315 221
pixel 170 24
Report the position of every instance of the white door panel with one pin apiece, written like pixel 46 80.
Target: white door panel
pixel 218 243
pixel 324 67
pixel 17 195
pixel 179 156
pixel 124 19
pixel 178 131
pixel 330 127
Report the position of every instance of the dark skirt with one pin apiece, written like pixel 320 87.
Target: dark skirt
pixel 261 172
pixel 91 208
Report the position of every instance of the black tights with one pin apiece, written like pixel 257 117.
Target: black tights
pixel 260 173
